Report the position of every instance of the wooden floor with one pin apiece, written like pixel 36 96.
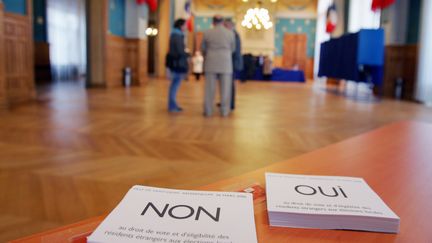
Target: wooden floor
pixel 73 153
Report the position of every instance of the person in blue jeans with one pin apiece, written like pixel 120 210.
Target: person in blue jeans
pixel 177 62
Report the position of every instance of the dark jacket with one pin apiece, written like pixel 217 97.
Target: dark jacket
pixel 177 57
pixel 237 56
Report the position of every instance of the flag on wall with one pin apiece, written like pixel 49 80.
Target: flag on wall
pixel 331 18
pixel 188 10
pixel 152 4
pixel 381 4
pixel 183 9
pixel 190 23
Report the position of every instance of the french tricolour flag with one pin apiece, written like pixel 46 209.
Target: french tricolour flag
pixel 152 4
pixel 331 18
pixel 381 4
pixel 183 9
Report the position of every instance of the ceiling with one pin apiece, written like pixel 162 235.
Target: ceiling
pixel 232 6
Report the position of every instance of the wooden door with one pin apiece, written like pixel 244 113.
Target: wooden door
pixel 18 44
pixel 3 99
pixel 294 51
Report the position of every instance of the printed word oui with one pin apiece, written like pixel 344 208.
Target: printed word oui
pixel 182 212
pixel 309 191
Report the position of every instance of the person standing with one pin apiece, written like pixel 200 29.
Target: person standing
pixel 177 62
pixel 218 46
pixel 237 59
pixel 197 63
pixel 267 68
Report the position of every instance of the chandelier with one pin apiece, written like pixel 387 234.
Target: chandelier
pixel 257 18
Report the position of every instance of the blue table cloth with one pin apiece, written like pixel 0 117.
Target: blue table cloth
pixel 278 74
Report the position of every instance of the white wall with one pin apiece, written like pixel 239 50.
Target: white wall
pixel 394 21
pixel 340 9
pixel 321 34
pixel 424 76
pixel 361 16
pixel 136 20
pixel 256 42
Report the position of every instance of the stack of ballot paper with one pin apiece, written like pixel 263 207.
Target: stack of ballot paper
pixel 327 202
pixel 149 214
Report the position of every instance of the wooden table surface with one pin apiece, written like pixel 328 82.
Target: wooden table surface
pixel 395 160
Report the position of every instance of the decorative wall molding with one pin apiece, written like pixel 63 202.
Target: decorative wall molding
pixel 295 15
pixel 123 53
pixel 18 51
pixel 109 54
pixel 212 7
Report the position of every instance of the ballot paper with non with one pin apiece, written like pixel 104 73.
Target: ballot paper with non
pixel 327 202
pixel 150 214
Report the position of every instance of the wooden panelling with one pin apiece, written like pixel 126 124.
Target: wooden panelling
pixel 278 63
pixel 42 64
pixel 400 62
pixel 136 58
pixel 18 46
pixel 132 57
pixel 121 53
pixel 142 65
pixel 3 100
pixel 108 54
pixel 41 53
pixel 294 51
pixel 309 68
pixel 116 58
pixel 97 27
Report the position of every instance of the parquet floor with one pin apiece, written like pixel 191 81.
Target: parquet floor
pixel 73 153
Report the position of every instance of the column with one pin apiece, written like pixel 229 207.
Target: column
pixel 97 29
pixel 164 18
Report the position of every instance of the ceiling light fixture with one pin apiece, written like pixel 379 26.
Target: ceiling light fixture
pixel 257 18
pixel 151 31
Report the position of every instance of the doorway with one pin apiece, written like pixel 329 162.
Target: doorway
pixel 294 51
pixel 60 40
pixel 67 37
